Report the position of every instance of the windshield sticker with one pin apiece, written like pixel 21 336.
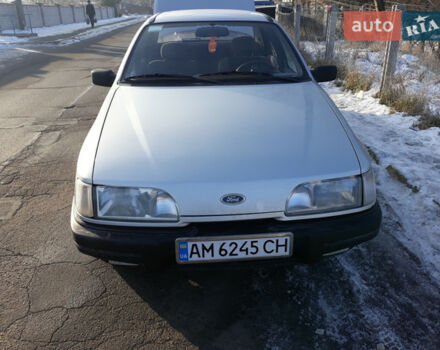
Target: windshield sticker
pixel 212 46
pixel 155 28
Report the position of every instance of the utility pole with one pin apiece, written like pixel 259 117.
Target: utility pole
pixel 20 14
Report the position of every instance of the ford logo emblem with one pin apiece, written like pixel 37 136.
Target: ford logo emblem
pixel 232 198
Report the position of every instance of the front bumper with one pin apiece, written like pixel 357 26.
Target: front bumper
pixel 155 247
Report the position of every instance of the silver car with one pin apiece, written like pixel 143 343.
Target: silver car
pixel 216 144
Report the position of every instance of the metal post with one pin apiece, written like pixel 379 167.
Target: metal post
pixel 43 20
pixel 331 33
pixel 20 14
pixel 277 13
pixel 59 14
pixel 73 13
pixel 13 24
pixel 297 24
pixel 29 23
pixel 390 61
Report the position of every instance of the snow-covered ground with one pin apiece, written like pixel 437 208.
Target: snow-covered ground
pixel 392 137
pixel 13 47
pixel 415 154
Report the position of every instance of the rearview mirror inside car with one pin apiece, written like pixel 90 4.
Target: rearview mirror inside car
pixel 325 73
pixel 103 77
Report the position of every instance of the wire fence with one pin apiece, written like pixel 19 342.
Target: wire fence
pixel 323 23
pixel 369 6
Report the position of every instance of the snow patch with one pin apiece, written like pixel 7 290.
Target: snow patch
pixel 415 154
pixel 416 77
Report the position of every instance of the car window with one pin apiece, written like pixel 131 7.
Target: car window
pixel 169 34
pixel 214 48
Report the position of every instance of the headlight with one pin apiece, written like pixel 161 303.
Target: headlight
pixel 369 187
pixel 83 198
pixel 325 196
pixel 142 204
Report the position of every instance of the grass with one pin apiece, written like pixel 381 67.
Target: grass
pixel 427 121
pixel 373 155
pixel 348 77
pixel 396 97
pixel 311 29
pixel 321 61
pixel 355 81
pixel 402 101
pixel 412 104
pixel 427 52
pixel 397 175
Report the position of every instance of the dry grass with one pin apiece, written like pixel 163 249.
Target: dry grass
pixel 402 101
pixel 308 58
pixel 412 104
pixel 348 77
pixel 311 30
pixel 427 121
pixel 427 52
pixel 373 155
pixel 355 81
pixel 370 46
pixel 351 79
pixel 397 175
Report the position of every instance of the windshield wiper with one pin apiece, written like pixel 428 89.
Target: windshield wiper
pixel 142 78
pixel 263 75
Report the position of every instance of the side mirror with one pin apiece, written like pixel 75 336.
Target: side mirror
pixel 325 73
pixel 103 77
pixel 267 10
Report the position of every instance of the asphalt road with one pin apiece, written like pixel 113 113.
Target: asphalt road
pixel 52 297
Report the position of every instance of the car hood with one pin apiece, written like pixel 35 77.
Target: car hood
pixel 199 143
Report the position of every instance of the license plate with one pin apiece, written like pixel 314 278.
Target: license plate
pixel 229 248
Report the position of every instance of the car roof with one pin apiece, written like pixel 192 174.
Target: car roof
pixel 209 15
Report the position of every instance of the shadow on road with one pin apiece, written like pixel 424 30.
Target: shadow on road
pixel 239 309
pixel 367 296
pixel 210 308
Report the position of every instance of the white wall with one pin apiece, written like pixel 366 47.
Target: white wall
pixel 51 16
pixel 33 14
pixel 98 13
pixel 7 14
pixel 80 14
pixel 66 14
pixel 50 13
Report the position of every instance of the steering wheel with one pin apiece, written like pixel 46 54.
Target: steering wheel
pixel 250 66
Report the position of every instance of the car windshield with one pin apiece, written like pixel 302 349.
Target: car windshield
pixel 213 52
